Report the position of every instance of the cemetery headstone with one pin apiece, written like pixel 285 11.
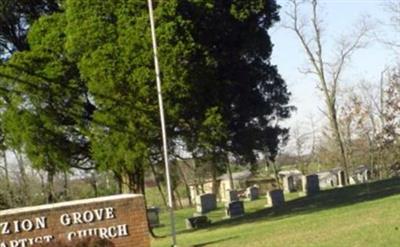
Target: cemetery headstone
pixel 231 196
pixel 275 198
pixel 206 203
pixel 310 184
pixel 288 184
pixel 153 216
pixel 234 209
pixel 291 184
pixel 121 219
pixel 285 184
pixel 341 179
pixel 252 193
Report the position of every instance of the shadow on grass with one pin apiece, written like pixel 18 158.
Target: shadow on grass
pixel 213 242
pixel 323 200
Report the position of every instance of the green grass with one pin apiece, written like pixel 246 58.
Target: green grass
pixel 361 215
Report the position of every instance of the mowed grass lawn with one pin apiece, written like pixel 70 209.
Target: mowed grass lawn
pixel 361 215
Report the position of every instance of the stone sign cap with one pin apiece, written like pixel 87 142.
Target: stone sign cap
pixel 120 218
pixel 66 204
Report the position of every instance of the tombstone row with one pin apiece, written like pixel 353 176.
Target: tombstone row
pixel 235 207
pixel 309 184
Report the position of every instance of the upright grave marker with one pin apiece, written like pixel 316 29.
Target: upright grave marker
pixel 231 196
pixel 206 203
pixel 153 215
pixel 341 178
pixel 120 218
pixel 252 193
pixel 310 184
pixel 234 209
pixel 275 198
pixel 288 184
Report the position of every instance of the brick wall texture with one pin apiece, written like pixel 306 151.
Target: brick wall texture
pixel 122 219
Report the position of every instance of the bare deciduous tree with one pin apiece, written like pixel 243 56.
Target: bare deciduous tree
pixel 9 190
pixel 300 139
pixel 327 71
pixel 392 7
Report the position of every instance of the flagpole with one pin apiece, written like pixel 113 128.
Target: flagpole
pixel 163 129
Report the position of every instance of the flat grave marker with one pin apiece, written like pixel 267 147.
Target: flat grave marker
pixel 196 222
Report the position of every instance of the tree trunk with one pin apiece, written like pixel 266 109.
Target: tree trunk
pixel 23 179
pixel 133 182
pixel 276 175
pixel 187 188
pixel 153 170
pixel 178 196
pixel 10 197
pixel 50 186
pixel 337 134
pixel 214 183
pixel 93 183
pixel 230 175
pixel 119 180
pixel 125 184
pixel 66 186
pixel 42 182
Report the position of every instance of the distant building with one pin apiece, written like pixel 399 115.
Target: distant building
pixel 241 180
pixel 328 179
pixel 361 174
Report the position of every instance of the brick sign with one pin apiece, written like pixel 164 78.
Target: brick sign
pixel 121 219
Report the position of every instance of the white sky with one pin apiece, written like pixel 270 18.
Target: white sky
pixel 339 17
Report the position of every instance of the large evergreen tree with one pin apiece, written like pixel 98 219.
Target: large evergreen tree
pixel 16 16
pixel 47 109
pixel 222 94
pixel 111 42
pixel 233 79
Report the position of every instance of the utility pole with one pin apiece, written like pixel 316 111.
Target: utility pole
pixel 163 129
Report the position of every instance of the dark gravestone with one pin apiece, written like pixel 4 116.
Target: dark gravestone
pixel 206 203
pixel 288 184
pixel 341 179
pixel 196 222
pixel 231 196
pixel 153 216
pixel 252 193
pixel 275 198
pixel 310 184
pixel 291 184
pixel 234 209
